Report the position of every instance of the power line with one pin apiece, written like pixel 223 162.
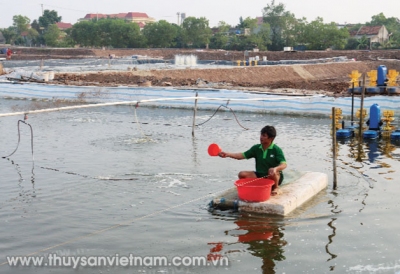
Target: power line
pixel 66 8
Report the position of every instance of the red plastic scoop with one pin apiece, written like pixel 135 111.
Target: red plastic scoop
pixel 214 150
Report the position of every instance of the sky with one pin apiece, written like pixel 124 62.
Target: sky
pixel 229 11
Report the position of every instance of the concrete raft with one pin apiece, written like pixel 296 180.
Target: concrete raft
pixel 295 191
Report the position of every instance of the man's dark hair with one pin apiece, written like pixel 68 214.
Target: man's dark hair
pixel 269 130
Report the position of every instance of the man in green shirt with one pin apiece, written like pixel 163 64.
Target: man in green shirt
pixel 270 160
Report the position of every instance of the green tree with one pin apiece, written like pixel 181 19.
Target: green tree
pixel 52 35
pixel 363 42
pixel 10 35
pixel 263 36
pixel 66 40
pixel 392 24
pixel 235 43
pixel 178 41
pixel 85 34
pixel 282 24
pixel 160 34
pixel 221 38
pixel 250 23
pixel 35 25
pixel 32 37
pixel 118 34
pixel 108 32
pixel 48 18
pixel 241 24
pixel 196 32
pixel 319 36
pixel 21 23
pixel 352 43
pixel 301 31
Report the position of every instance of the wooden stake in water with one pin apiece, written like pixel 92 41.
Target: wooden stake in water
pixel 194 114
pixel 360 126
pixel 334 147
pixel 352 105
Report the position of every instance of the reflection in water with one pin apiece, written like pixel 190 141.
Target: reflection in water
pixel 372 147
pixel 263 237
pixel 22 193
pixel 371 154
pixel 330 237
pixel 363 202
pixel 194 151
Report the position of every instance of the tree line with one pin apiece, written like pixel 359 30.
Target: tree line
pixel 279 28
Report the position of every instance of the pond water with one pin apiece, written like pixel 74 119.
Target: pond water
pixel 115 181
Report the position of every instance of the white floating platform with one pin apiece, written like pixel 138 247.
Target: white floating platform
pixel 295 191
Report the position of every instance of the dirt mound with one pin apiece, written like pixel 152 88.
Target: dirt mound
pixel 332 78
pixel 325 77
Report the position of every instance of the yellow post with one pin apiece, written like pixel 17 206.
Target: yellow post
pixel 372 77
pixel 238 62
pixel 355 75
pixel 392 77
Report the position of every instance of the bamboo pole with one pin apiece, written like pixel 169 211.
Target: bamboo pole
pixel 352 105
pixel 360 126
pixel 334 147
pixel 194 114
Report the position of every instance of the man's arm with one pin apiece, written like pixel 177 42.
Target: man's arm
pixel 277 169
pixel 237 156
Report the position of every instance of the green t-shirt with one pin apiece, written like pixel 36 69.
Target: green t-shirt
pixel 265 159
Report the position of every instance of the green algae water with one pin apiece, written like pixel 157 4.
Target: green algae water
pixel 105 182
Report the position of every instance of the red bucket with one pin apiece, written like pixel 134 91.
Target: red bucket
pixel 253 189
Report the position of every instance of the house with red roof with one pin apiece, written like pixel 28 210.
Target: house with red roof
pixel 63 26
pixel 140 18
pixel 376 34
